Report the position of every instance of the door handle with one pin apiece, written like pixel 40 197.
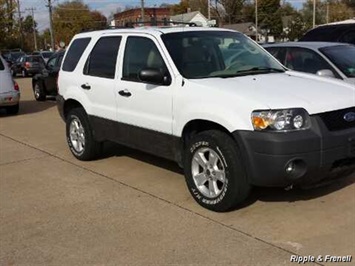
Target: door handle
pixel 125 93
pixel 86 86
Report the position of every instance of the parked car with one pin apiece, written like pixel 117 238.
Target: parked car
pixel 45 54
pixel 9 90
pixel 27 65
pixel 45 83
pixel 11 56
pixel 335 60
pixel 231 120
pixel 333 32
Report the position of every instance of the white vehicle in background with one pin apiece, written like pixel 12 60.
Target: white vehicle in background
pixel 9 90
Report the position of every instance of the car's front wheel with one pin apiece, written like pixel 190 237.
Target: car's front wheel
pixel 79 136
pixel 38 92
pixel 214 172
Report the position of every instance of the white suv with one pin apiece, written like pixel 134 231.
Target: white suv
pixel 210 99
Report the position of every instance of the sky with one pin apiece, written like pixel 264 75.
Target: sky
pixel 104 6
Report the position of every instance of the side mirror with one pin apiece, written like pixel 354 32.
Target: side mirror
pixel 325 73
pixel 154 76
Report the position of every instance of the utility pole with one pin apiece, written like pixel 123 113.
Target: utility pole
pixel 327 12
pixel 256 20
pixel 33 26
pixel 20 23
pixel 49 5
pixel 314 13
pixel 142 10
pixel 209 9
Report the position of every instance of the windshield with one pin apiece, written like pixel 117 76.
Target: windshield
pixel 47 54
pixel 204 54
pixel 16 55
pixel 343 57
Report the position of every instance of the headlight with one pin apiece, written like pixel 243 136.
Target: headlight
pixel 281 120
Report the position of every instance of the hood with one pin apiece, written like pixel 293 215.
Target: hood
pixel 286 90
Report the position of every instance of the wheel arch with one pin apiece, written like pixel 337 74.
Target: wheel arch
pixel 69 105
pixel 196 126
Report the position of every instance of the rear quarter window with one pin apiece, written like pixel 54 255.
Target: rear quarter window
pixel 2 67
pixel 74 54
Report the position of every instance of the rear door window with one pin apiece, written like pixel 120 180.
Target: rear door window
pixel 103 57
pixel 305 60
pixel 348 37
pixel 278 53
pixel 2 67
pixel 74 53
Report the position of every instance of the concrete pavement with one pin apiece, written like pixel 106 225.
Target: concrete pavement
pixel 133 208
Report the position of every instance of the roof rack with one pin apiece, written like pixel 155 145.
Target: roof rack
pixel 154 23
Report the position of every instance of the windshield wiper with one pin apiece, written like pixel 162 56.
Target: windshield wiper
pixel 256 70
pixel 251 71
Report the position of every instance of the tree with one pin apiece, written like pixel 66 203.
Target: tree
pixel 337 11
pixel 180 8
pixel 72 17
pixel 9 30
pixel 269 15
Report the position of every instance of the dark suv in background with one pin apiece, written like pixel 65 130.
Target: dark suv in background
pixel 342 32
pixel 45 82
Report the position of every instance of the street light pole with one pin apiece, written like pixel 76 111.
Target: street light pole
pixel 256 20
pixel 51 23
pixel 314 13
pixel 142 10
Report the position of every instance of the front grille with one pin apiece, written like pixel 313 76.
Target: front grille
pixel 334 120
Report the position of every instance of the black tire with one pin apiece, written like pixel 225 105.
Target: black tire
pixel 91 149
pixel 13 110
pixel 235 187
pixel 38 92
pixel 13 73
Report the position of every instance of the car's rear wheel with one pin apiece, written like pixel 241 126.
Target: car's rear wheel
pixel 214 172
pixel 13 110
pixel 79 136
pixel 38 92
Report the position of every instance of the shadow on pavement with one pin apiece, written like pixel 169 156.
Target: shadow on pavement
pixel 257 193
pixel 30 107
pixel 112 149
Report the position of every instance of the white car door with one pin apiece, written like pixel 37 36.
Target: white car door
pixel 98 79
pixel 144 111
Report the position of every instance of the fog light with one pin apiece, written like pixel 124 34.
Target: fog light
pixel 290 167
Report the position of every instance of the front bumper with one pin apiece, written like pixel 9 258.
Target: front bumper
pixel 314 154
pixel 9 98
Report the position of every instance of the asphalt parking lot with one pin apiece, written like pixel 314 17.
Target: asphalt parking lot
pixel 132 208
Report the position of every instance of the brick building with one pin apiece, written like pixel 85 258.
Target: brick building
pixel 134 15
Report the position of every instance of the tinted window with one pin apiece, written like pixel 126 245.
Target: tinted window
pixel 103 58
pixel 305 60
pixel 141 53
pixel 278 53
pixel 343 57
pixel 35 59
pixel 348 37
pixel 1 65
pixel 59 61
pixel 51 62
pixel 74 53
